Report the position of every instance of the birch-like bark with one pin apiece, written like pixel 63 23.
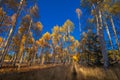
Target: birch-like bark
pixel 7 44
pixel 115 33
pixel 102 41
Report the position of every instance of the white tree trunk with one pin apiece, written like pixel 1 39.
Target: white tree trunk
pixel 109 36
pixel 97 24
pixel 115 33
pixel 7 44
pixel 102 41
pixel 21 44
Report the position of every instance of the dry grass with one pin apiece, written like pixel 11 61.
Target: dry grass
pixel 58 72
pixel 98 73
pixel 65 72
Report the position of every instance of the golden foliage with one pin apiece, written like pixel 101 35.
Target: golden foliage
pixel 27 17
pixel 54 35
pixel 26 20
pixel 1 11
pixel 1 39
pixel 54 41
pixel 46 36
pixel 31 40
pixel 39 26
pixel 41 42
pixel 37 42
pixel 56 29
pixel 55 38
pixel 75 58
pixel 11 3
pixel 115 8
pixel 34 11
pixel 72 48
pixel 61 29
pixel 65 38
pixel 23 39
pixel 22 45
pixel 68 26
pixel 21 30
pixel 7 57
pixel 72 38
pixel 77 43
pixel 105 6
pixel 16 41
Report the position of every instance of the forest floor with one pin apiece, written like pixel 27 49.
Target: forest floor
pixel 61 72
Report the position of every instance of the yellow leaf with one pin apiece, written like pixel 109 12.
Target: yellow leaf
pixel 75 58
pixel 46 36
pixel 27 17
pixel 1 12
pixel 37 42
pixel 31 40
pixel 54 35
pixel 1 39
pixel 65 38
pixel 71 38
pixel 77 43
pixel 56 29
pixel 61 29
pixel 41 42
pixel 23 39
pixel 39 26
pixel 68 26
pixel 21 30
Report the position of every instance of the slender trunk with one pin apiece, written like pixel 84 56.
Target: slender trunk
pixel 54 52
pixel 42 59
pixel 17 52
pixel 115 33
pixel 109 36
pixel 21 51
pixel 41 51
pixel 80 27
pixel 34 59
pixel 22 45
pixel 28 52
pixel 97 24
pixel 102 41
pixel 7 44
pixel 15 58
pixel 33 55
pixel 101 36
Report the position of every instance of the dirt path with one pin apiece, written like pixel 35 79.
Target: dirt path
pixel 60 72
pixel 64 72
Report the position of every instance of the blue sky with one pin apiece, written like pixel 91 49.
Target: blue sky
pixel 56 12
